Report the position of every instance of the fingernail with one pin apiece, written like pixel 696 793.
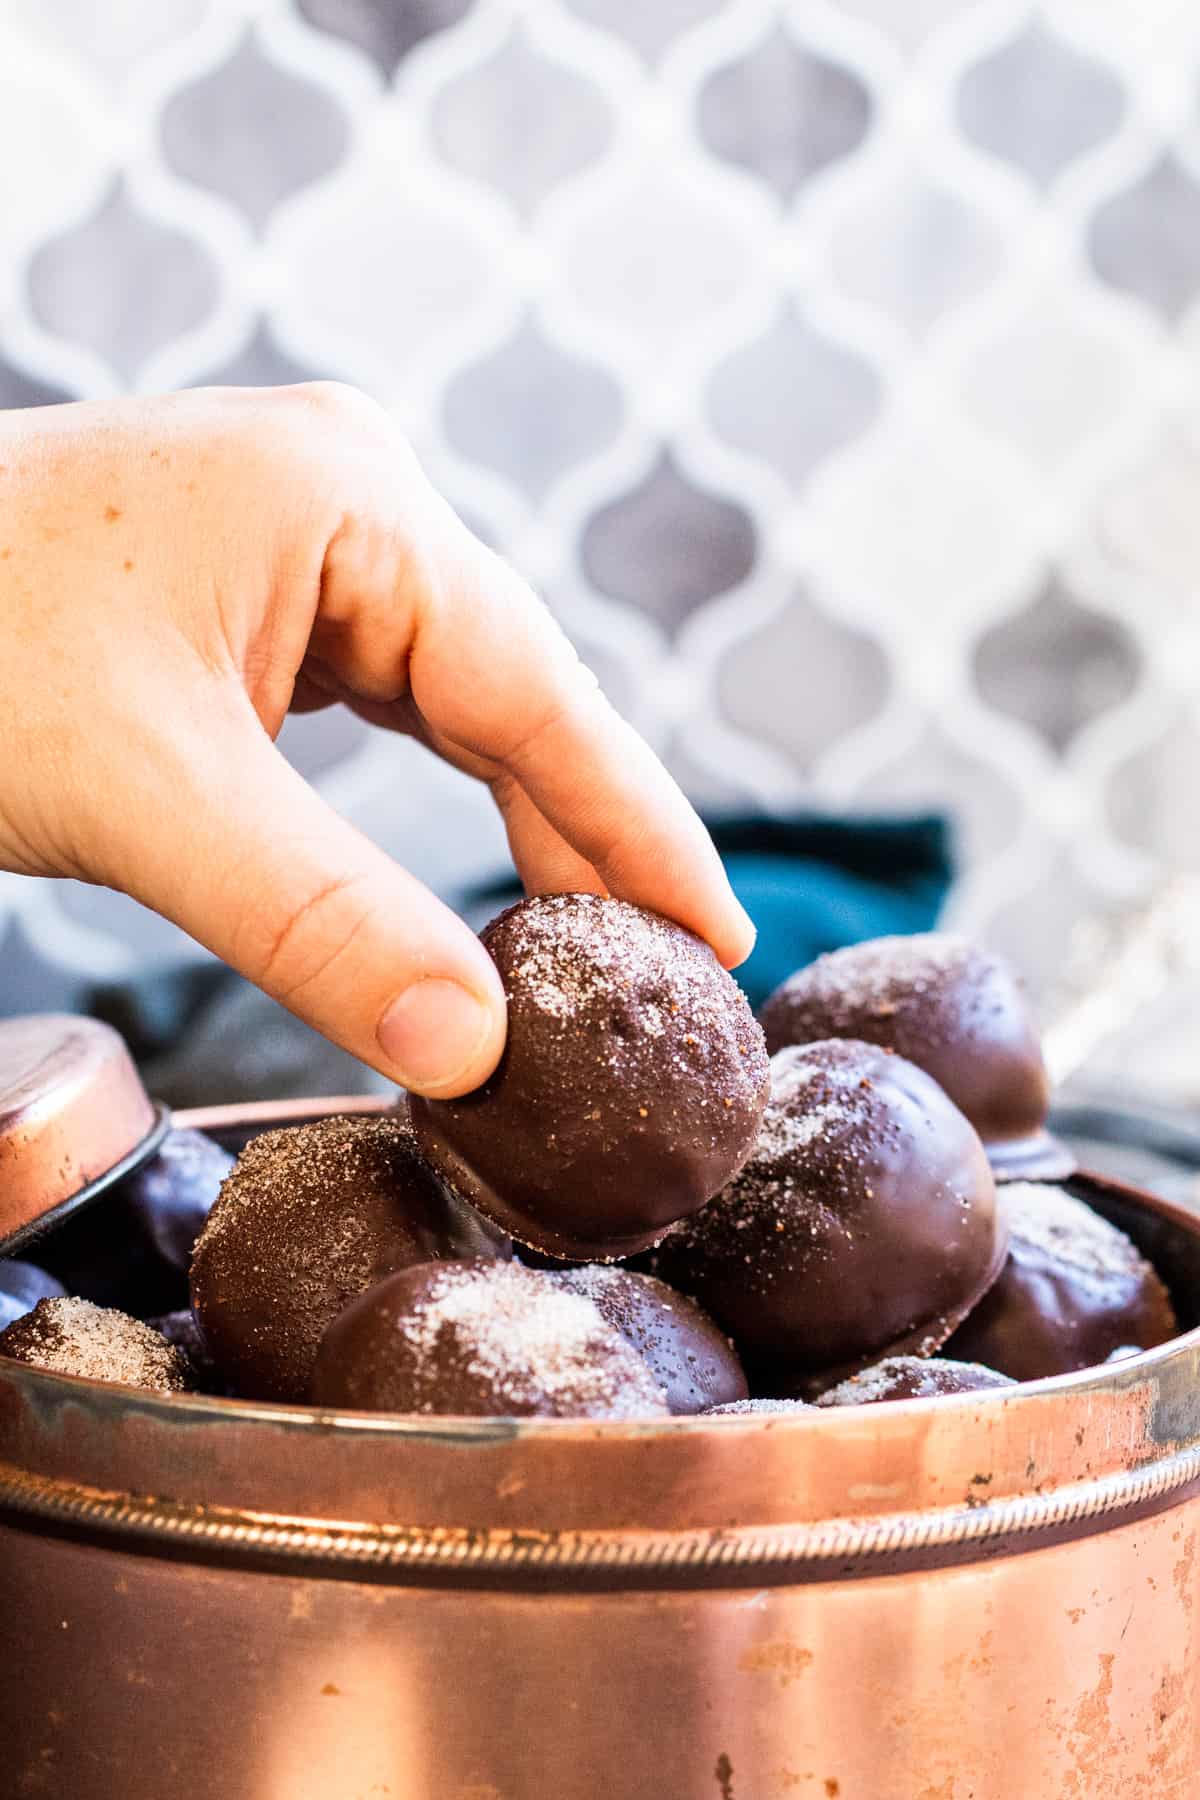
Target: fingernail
pixel 750 938
pixel 432 1032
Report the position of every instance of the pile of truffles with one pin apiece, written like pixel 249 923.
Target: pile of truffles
pixel 641 1213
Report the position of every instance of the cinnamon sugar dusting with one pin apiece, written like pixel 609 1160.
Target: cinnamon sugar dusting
pixel 538 1347
pixel 75 1337
pixel 913 1378
pixel 1046 1219
pixel 879 976
pixel 585 961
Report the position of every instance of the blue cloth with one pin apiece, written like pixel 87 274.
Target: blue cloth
pixel 812 883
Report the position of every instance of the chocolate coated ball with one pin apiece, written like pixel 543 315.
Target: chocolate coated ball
pixel 631 1087
pixel 912 1378
pixel 693 1362
pixel 864 1221
pixel 22 1285
pixel 956 1011
pixel 309 1218
pixel 495 1339
pixel 1072 1290
pixel 73 1337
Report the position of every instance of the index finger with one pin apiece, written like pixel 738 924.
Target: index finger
pixel 491 669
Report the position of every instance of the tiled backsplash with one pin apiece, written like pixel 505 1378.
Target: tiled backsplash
pixel 832 368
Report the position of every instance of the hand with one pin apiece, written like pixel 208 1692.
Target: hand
pixel 175 574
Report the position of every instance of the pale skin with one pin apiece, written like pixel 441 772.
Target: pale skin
pixel 178 573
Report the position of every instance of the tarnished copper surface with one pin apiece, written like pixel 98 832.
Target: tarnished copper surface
pixel 988 1597
pixel 72 1110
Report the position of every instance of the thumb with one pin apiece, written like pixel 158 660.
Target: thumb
pixel 253 863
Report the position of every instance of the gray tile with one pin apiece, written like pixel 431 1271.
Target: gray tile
pixel 1146 240
pixel 649 26
pixel 109 40
pixel 783 113
pixel 793 396
pixel 938 773
pixel 1039 103
pixel 1035 929
pixel 713 790
pixel 259 363
pixel 19 388
pixel 916 249
pixel 386 29
pixel 1056 665
pixel 530 410
pixel 668 546
pixel 91 284
pixel 612 671
pixel 253 132
pixel 520 122
pixel 1154 796
pixel 909 23
pixel 802 681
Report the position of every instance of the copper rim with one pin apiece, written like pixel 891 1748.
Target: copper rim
pixel 833 1545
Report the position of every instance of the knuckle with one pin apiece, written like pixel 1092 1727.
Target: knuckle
pixel 336 403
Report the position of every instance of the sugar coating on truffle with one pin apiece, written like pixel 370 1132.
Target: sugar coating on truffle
pixel 74 1337
pixel 1045 1220
pixel 913 1378
pixel 689 1356
pixel 310 1217
pixel 483 1338
pixel 864 1220
pixel 955 1010
pixel 879 975
pixel 632 1084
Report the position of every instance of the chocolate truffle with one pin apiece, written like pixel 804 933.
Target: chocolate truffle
pixel 1073 1290
pixel 865 1221
pixel 309 1218
pixel 171 1196
pixel 73 1337
pixel 913 1378
pixel 631 1087
pixel 695 1364
pixel 753 1408
pixel 956 1011
pixel 482 1338
pixel 22 1285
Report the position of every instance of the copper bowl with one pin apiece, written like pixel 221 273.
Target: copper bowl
pixel 986 1597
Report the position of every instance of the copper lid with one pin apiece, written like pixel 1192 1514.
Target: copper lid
pixel 74 1117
